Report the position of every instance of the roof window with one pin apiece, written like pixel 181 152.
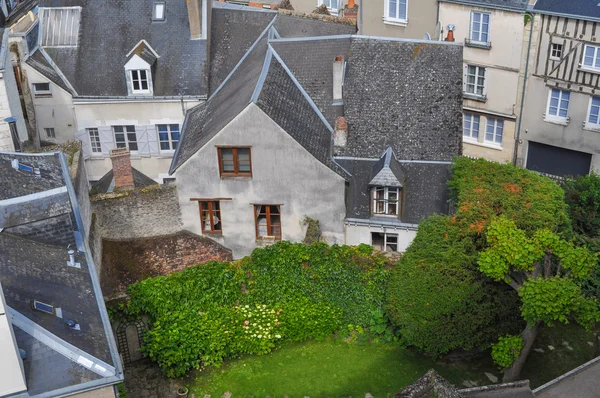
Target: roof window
pixel 158 11
pixel 42 307
pixel 25 168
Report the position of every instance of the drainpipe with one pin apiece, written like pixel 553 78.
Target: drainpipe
pixel 518 138
pixel 360 17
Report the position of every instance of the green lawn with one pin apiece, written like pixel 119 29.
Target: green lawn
pixel 333 368
pixel 330 368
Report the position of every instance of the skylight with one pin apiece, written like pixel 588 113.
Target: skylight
pixel 158 13
pixel 47 308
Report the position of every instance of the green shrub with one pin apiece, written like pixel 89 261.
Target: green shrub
pixel 506 351
pixel 582 195
pixel 303 320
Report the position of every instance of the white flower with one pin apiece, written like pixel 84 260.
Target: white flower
pixel 259 336
pixel 278 336
pixel 246 306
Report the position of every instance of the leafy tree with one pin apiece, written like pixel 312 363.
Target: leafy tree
pixel 582 195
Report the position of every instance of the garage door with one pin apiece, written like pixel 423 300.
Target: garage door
pixel 557 161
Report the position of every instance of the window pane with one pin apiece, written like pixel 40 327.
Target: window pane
pixel 144 85
pixel 131 137
pixel 120 137
pixel 162 128
pixel 164 146
pixel 227 158
pixel 243 160
pixel 133 146
pixel 130 129
pixel 402 9
pixel 274 209
pixel 589 56
pixel 392 209
pixel 393 8
pixel 118 129
pixel 159 11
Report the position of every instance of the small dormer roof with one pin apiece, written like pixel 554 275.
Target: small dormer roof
pixel 387 171
pixel 145 52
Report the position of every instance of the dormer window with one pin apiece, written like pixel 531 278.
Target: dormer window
pixel 386 201
pixel 139 81
pixel 158 11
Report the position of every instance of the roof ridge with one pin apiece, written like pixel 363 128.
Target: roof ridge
pixel 317 17
pixel 263 75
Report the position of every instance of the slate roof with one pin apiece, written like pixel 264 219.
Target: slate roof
pixel 39 63
pixel 108 32
pixel 583 9
pixel 106 183
pixel 35 234
pixel 387 171
pixel 430 385
pixel 510 5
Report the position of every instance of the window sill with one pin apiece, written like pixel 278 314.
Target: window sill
pixel 591 127
pixel 213 233
pixel 484 144
pixel 49 95
pixel 475 97
pixel 236 177
pixel 384 215
pixel 478 44
pixel 262 239
pixel 588 69
pixel 554 120
pixel 395 22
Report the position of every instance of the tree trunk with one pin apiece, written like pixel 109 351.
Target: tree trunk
pixel 529 335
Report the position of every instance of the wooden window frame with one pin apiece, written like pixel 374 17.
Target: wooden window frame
pixel 386 201
pixel 236 172
pixel 269 225
pixel 211 212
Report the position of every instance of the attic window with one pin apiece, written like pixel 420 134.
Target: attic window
pixel 41 89
pixel 42 307
pixel 386 201
pixel 158 11
pixel 139 81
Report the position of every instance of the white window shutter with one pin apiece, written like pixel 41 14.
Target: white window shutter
pixel 107 141
pixel 82 135
pixel 152 140
pixel 142 140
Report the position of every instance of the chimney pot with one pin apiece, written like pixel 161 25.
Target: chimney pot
pixel 350 3
pixel 340 134
pixel 122 172
pixel 338 77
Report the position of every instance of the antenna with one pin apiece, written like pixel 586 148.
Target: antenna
pixel 427 36
pixel 438 32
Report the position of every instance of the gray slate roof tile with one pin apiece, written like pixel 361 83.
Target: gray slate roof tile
pixel 587 9
pixel 510 5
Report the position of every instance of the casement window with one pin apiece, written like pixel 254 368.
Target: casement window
pixel 168 136
pixel 591 57
pixel 475 80
pixel 386 201
pixel 558 104
pixel 471 126
pixel 139 81
pixel 268 221
pixel 41 89
pixel 50 133
pixel 593 119
pixel 235 162
pixel 332 5
pixel 125 137
pixel 384 241
pixel 158 11
pixel 94 140
pixel 480 27
pixel 210 216
pixel 556 51
pixel 494 131
pixel 396 10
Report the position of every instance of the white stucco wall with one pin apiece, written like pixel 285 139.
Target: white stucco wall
pixel 283 172
pixel 355 235
pixel 6 142
pixel 143 114
pixel 56 111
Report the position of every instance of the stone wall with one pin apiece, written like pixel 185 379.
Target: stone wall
pixel 95 244
pixel 145 212
pixel 82 188
pixel 129 261
pixel 34 207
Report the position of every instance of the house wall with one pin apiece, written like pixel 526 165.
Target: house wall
pixel 355 235
pixel 141 213
pixel 283 172
pixel 56 111
pixel 82 189
pixel 145 116
pixel 565 74
pixel 10 93
pixel 502 62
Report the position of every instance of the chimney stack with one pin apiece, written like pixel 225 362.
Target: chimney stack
pixel 122 172
pixel 351 10
pixel 338 78
pixel 194 9
pixel 340 133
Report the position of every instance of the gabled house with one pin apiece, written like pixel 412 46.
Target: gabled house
pixel 355 132
pixel 561 122
pixel 124 74
pixel 56 336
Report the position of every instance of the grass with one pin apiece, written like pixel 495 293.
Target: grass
pixel 331 368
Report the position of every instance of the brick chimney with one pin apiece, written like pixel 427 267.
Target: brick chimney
pixel 194 8
pixel 338 78
pixel 340 133
pixel 122 172
pixel 351 10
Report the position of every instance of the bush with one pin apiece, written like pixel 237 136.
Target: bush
pixel 292 292
pixel 582 195
pixel 506 351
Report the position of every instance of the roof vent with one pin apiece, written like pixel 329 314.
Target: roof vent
pixel 72 324
pixel 71 262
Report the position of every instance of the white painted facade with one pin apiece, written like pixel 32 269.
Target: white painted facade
pixel 283 173
pixel 357 234
pixel 502 63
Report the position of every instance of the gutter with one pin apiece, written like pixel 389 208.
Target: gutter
pixel 119 99
pixel 518 137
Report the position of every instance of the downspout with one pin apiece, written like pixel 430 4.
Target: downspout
pixel 518 138
pixel 360 17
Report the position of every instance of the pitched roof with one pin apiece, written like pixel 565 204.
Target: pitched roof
pixel 95 66
pixel 582 9
pixel 39 63
pixel 510 5
pixel 430 385
pixel 39 222
pixel 387 171
pixel 106 183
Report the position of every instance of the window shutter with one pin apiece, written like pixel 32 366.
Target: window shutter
pixel 485 82
pixel 142 140
pixel 107 141
pixel 152 140
pixel 82 135
pixel 466 67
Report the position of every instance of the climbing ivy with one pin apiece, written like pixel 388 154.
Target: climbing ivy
pixel 506 351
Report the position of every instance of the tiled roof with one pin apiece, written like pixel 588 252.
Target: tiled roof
pixel 39 63
pixel 585 9
pixel 510 5
pixel 105 183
